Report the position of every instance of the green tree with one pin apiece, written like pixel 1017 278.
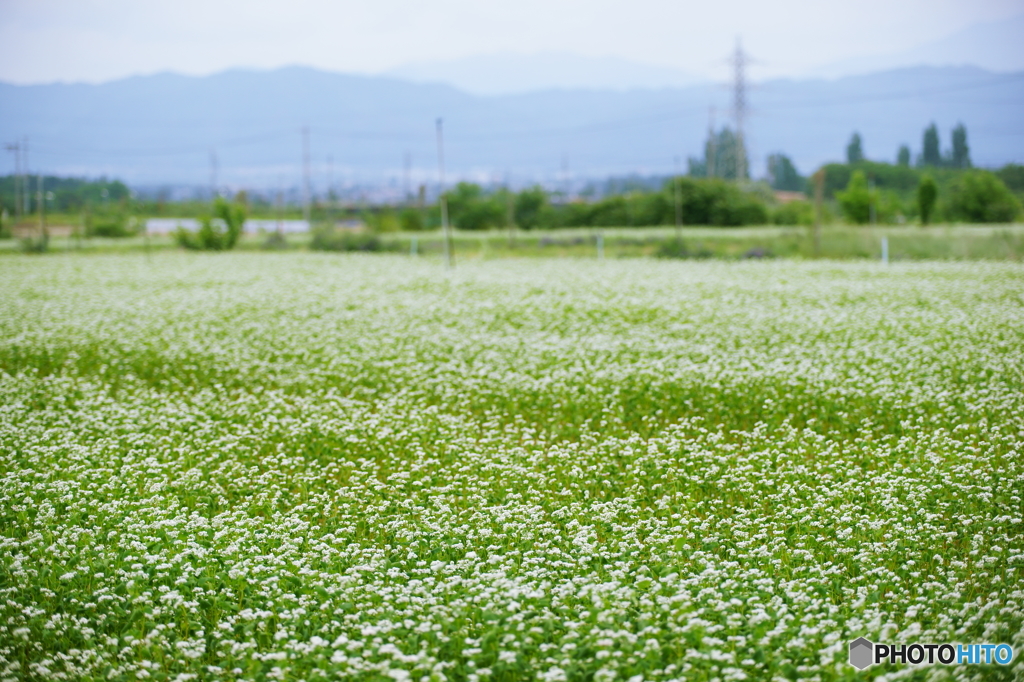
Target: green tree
pixel 529 207
pixel 903 156
pixel 931 154
pixel 856 199
pixel 782 174
pixel 961 152
pixel 927 193
pixel 470 209
pixel 411 220
pixel 854 150
pixel 979 196
pixel 217 233
pixel 723 154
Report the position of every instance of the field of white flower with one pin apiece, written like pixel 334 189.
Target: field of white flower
pixel 304 467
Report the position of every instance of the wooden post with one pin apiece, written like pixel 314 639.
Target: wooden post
pixel 819 191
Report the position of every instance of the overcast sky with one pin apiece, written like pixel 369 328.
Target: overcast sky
pixel 99 40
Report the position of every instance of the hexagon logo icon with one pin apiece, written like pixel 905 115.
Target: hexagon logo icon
pixel 861 653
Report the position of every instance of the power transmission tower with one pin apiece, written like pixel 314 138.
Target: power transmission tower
pixel 306 193
pixel 739 61
pixel 448 256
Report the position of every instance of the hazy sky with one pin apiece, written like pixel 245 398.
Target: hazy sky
pixel 97 40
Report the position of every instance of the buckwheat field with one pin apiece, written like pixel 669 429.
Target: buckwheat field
pixel 303 467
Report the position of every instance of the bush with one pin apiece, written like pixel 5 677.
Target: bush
pixel 716 202
pixel 856 199
pixel 411 220
pixel 381 221
pixel 529 208
pixel 677 248
pixel 215 234
pixel 328 239
pixel 794 213
pixel 979 196
pixel 115 226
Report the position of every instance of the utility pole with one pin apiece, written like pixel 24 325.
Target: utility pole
pixel 16 148
pixel 330 181
pixel 213 175
pixel 565 178
pixel 306 193
pixel 40 200
pixel 739 105
pixel 407 178
pixel 679 200
pixel 448 255
pixel 26 180
pixel 510 211
pixel 712 143
pixel 819 190
pixel 871 198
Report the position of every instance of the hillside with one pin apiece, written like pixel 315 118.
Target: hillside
pixel 163 128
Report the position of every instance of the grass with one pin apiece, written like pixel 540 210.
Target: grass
pixel 943 242
pixel 302 466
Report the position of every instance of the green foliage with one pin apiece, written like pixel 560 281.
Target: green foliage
pixel 903 156
pixel 263 468
pixel 331 239
pixel 470 209
pixel 856 200
pixel 679 248
pixel 70 195
pixel 529 206
pixel 37 243
pixel 722 154
pixel 411 220
pixel 794 213
pixel 782 174
pixel 382 221
pixel 900 179
pixel 961 157
pixel 854 150
pixel 980 196
pixel 717 202
pixel 1012 175
pixel 114 225
pixel 927 194
pixel 219 233
pixel 931 154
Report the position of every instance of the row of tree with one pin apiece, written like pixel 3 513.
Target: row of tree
pixel 931 156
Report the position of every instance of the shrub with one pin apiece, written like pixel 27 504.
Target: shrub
pixel 529 208
pixel 113 226
pixel 411 220
pixel 794 213
pixel 381 221
pixel 328 239
pixel 677 248
pixel 979 196
pixel 856 199
pixel 215 234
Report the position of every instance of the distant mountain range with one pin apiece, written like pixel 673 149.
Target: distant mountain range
pixel 168 128
pixel 509 73
pixel 993 45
